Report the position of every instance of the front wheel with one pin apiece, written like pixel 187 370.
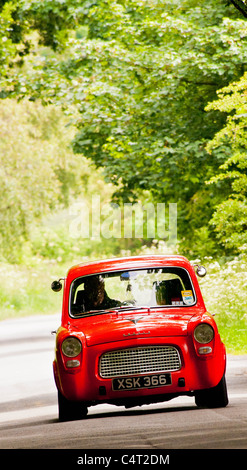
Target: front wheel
pixel 215 397
pixel 70 410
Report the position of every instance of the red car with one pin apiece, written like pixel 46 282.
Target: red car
pixel 136 331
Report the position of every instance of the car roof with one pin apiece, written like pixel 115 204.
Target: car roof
pixel 131 262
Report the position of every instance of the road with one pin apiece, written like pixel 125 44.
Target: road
pixel 28 405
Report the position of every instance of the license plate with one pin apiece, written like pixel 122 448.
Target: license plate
pixel 143 381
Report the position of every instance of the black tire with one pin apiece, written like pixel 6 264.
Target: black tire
pixel 215 397
pixel 70 410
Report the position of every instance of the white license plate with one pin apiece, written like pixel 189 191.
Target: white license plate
pixel 143 381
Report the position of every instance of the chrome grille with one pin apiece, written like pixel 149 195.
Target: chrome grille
pixel 141 360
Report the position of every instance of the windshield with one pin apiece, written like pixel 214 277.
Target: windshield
pixel 140 288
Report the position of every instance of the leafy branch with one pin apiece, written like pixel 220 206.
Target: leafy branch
pixel 241 6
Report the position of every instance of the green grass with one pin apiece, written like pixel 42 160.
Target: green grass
pixel 25 290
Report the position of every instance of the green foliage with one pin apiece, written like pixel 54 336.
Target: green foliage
pixel 25 289
pixel 230 223
pixel 224 290
pixel 8 48
pixel 241 5
pixel 38 172
pixel 53 19
pixel 230 218
pixel 140 81
pixel 135 78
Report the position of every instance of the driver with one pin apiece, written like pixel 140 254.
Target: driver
pixel 95 296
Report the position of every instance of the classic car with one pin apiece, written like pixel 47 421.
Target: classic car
pixel 135 331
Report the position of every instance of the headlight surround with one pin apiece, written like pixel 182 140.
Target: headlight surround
pixel 204 333
pixel 71 347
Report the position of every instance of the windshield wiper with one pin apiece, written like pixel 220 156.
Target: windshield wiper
pixel 109 310
pixel 90 313
pixel 131 307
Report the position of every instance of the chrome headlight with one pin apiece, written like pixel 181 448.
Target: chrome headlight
pixel 204 333
pixel 71 347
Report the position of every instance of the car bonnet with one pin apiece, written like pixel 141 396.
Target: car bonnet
pixel 113 327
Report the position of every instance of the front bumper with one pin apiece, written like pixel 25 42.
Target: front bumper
pixel 85 383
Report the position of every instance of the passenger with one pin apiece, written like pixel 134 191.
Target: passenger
pixel 161 295
pixel 168 292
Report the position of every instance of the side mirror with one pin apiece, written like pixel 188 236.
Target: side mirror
pixel 56 286
pixel 200 271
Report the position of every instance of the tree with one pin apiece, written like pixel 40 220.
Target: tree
pixel 38 171
pixel 230 217
pixel 136 87
pixel 241 6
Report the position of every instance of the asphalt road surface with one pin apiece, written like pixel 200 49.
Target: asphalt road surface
pixel 28 405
